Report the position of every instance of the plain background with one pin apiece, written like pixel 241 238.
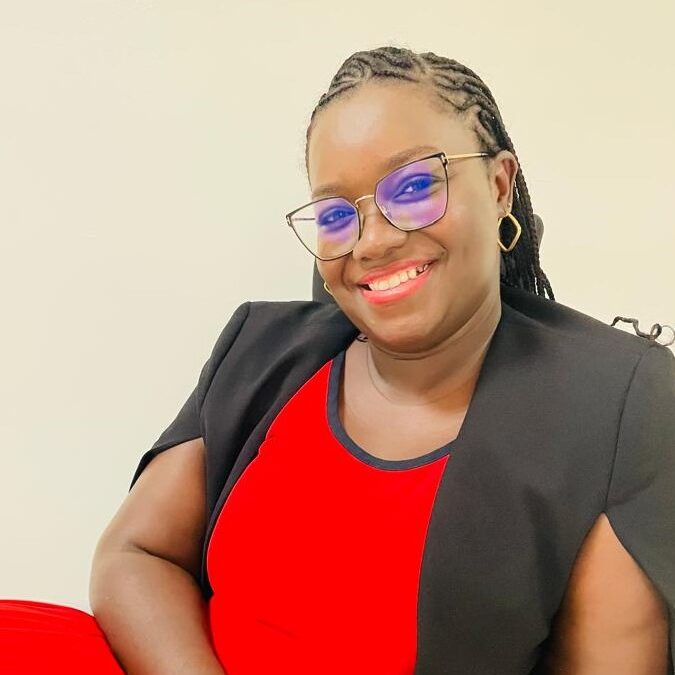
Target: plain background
pixel 148 154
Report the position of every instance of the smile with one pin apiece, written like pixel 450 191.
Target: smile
pixel 401 290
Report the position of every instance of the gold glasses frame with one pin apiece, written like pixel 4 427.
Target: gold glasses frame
pixel 445 159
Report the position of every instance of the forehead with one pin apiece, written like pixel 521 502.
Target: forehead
pixel 357 139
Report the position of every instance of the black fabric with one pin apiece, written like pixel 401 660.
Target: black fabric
pixel 570 417
pixel 319 293
pixel 641 498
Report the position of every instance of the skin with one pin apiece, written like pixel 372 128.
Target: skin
pixel 420 345
pixel 426 348
pixel 143 589
pixel 612 620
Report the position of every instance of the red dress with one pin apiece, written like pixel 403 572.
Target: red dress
pixel 314 560
pixel 316 554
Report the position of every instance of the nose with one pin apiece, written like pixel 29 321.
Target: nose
pixel 378 235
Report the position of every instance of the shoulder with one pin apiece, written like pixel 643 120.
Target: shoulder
pixel 571 330
pixel 289 317
pixel 579 360
pixel 272 333
pixel 303 311
pixel 297 321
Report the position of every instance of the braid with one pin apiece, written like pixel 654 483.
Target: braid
pixel 459 88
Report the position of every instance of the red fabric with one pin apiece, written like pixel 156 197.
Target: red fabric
pixel 40 638
pixel 315 557
pixel 314 561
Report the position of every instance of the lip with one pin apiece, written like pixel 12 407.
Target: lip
pixel 384 272
pixel 401 291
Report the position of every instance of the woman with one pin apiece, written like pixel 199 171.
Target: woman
pixel 446 471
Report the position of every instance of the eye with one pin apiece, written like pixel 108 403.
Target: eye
pixel 331 216
pixel 417 185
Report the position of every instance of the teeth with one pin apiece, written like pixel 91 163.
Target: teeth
pixel 397 279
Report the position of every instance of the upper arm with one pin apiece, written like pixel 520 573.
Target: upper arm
pixel 620 598
pixel 164 513
pixel 612 619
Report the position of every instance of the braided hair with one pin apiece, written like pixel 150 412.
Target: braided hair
pixel 460 89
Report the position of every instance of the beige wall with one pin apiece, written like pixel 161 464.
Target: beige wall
pixel 149 151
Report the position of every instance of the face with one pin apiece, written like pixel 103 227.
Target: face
pixel 350 144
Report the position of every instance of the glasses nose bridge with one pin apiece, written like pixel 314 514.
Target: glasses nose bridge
pixel 377 210
pixel 360 199
pixel 356 203
pixel 362 217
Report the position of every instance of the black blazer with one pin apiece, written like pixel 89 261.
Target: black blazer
pixel 569 418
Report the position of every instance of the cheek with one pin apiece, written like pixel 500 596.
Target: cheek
pixel 468 230
pixel 471 242
pixel 331 271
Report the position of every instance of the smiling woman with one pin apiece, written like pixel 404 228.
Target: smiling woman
pixel 442 471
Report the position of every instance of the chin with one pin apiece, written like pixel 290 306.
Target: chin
pixel 403 336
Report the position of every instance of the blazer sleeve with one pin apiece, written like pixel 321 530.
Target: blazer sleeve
pixel 641 496
pixel 188 423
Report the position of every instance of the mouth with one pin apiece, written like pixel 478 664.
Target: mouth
pixel 403 289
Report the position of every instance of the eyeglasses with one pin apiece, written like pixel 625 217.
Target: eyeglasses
pixel 411 197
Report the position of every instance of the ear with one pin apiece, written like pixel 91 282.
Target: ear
pixel 503 178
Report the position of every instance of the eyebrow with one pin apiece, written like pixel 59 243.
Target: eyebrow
pixel 332 189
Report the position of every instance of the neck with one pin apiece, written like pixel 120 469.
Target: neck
pixel 447 371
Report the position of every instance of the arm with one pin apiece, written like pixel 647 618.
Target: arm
pixel 617 615
pixel 143 589
pixel 612 620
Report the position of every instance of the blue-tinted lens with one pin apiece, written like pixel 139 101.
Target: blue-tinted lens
pixel 334 216
pixel 328 227
pixel 415 195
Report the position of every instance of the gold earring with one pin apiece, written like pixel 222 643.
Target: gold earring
pixel 519 229
pixel 325 285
